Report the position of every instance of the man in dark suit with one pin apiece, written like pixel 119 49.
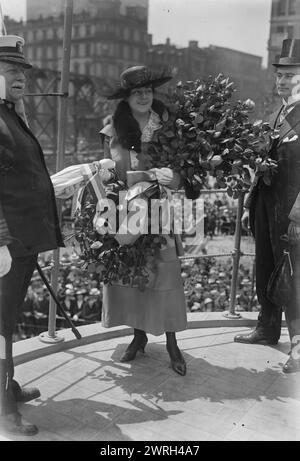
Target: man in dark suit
pixel 28 222
pixel 269 207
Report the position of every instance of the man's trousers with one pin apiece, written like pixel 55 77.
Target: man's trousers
pixel 13 288
pixel 270 225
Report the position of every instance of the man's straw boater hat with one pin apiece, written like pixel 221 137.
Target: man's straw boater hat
pixel 137 77
pixel 290 53
pixel 11 50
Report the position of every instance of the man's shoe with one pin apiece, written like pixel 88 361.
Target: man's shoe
pixel 14 424
pixel 291 366
pixel 25 394
pixel 255 337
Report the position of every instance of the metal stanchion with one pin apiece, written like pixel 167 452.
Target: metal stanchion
pixel 51 336
pixel 231 314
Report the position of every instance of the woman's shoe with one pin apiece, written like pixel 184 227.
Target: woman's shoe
pixel 137 344
pixel 177 361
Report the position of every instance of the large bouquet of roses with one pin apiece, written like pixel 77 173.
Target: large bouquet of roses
pixel 206 134
pixel 103 250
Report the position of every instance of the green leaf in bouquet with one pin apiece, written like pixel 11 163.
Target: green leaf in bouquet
pixel 197 178
pixel 237 148
pixel 221 184
pixel 168 149
pixel 217 134
pixel 229 191
pixel 91 267
pixel 169 134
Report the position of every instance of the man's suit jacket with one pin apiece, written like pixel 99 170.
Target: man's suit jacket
pixel 286 151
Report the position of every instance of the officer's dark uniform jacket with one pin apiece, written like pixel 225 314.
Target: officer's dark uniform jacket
pixel 28 217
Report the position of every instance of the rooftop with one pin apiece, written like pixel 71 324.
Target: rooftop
pixel 231 392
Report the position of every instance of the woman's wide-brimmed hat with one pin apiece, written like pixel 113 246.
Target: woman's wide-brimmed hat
pixel 11 50
pixel 290 53
pixel 137 77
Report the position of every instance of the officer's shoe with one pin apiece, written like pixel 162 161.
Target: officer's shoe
pixel 25 394
pixel 255 337
pixel 291 366
pixel 14 424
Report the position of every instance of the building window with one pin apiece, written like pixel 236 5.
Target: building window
pixel 125 51
pixel 82 50
pixel 29 54
pixel 87 68
pixel 39 52
pixel 88 49
pixel 76 31
pixel 126 33
pixel 290 31
pixel 49 34
pixel 60 33
pixel 49 52
pixel 30 36
pixel 136 36
pixel 76 50
pixel 99 69
pixel 292 6
pixel 76 67
pixel 82 30
pixel 280 29
pixel 112 71
pixel 39 34
pixel 281 7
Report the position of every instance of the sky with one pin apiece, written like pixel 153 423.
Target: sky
pixel 238 24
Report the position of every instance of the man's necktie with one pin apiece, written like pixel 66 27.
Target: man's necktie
pixel 282 116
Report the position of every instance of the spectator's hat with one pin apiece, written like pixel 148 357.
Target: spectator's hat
pixel 198 286
pixel 81 291
pixel 211 280
pixel 222 274
pixel 245 282
pixel 195 307
pixel 65 260
pixel 137 77
pixel 207 301
pixel 290 53
pixel 69 292
pixel 94 292
pixel 11 50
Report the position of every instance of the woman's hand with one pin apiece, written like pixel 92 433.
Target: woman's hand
pixel 5 261
pixel 167 177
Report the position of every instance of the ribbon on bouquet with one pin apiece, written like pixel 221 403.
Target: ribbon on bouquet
pixel 142 186
pixel 95 181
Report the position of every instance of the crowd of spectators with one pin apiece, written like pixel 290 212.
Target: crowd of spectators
pixel 207 283
pixel 79 293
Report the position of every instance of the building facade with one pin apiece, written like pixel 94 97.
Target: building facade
pixel 285 23
pixel 193 62
pixel 36 9
pixel 104 42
